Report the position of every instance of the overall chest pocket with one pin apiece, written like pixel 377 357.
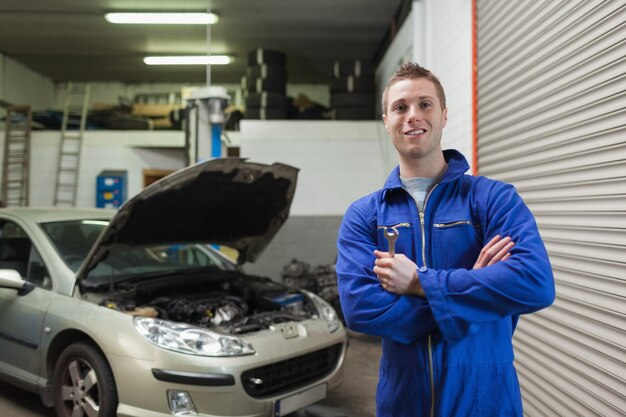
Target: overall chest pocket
pixel 405 242
pixel 457 240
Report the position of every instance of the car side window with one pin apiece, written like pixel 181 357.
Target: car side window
pixel 17 252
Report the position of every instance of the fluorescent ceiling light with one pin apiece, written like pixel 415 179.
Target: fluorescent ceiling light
pixel 163 18
pixel 188 60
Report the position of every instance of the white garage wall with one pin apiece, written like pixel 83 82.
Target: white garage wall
pixel 339 161
pixel 20 85
pixel 132 151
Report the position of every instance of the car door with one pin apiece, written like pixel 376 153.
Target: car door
pixel 21 316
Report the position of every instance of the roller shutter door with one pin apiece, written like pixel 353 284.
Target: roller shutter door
pixel 552 121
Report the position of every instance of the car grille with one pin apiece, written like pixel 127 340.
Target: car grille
pixel 290 374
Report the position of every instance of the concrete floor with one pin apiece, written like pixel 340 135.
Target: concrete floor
pixel 355 397
pixel 18 403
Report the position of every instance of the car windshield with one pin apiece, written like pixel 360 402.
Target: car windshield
pixel 74 239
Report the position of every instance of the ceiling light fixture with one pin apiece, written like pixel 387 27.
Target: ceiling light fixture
pixel 163 18
pixel 188 60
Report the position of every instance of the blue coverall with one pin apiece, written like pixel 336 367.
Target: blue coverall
pixel 450 354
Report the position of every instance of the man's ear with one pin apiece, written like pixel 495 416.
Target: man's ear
pixel 385 122
pixel 445 117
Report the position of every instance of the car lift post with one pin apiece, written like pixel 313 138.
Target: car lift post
pixel 203 129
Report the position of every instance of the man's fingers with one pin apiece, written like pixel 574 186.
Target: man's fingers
pixel 480 262
pixel 501 253
pixel 382 272
pixel 384 262
pixel 496 248
pixel 492 242
pixel 494 251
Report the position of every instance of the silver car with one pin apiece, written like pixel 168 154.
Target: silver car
pixel 135 312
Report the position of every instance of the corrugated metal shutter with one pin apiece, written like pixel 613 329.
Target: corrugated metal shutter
pixel 552 121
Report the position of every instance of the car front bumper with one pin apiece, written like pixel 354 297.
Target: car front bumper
pixel 217 386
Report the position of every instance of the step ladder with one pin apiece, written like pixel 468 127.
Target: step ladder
pixel 72 132
pixel 16 159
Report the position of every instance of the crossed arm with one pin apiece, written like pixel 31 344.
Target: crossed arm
pixel 370 308
pixel 399 274
pixel 394 299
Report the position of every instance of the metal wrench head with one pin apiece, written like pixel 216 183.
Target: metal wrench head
pixel 391 234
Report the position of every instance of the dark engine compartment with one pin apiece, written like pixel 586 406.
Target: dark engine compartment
pixel 226 302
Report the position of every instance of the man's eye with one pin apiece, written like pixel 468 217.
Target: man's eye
pixel 400 107
pixel 426 105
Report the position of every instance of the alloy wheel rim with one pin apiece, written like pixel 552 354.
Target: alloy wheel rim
pixel 80 391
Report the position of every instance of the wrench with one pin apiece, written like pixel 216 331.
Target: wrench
pixel 391 234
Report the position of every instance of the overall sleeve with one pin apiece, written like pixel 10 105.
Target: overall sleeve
pixel 461 299
pixel 367 307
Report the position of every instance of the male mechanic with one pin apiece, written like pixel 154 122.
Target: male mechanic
pixel 468 261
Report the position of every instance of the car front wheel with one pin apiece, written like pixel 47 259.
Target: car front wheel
pixel 83 383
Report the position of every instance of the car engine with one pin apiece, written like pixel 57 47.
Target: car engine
pixel 231 303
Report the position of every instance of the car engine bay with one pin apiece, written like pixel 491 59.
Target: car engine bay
pixel 226 302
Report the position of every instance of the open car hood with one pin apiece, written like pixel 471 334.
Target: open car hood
pixel 223 201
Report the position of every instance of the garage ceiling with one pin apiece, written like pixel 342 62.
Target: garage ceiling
pixel 69 40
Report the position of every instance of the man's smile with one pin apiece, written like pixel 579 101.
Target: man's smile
pixel 415 132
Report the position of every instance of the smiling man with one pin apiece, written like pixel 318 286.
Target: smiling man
pixel 468 261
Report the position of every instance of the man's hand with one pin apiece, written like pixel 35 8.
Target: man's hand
pixel 495 251
pixel 398 274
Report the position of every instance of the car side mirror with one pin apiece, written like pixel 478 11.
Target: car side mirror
pixel 10 278
pixel 38 275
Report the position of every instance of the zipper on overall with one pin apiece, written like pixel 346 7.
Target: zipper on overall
pixel 430 346
pixel 452 224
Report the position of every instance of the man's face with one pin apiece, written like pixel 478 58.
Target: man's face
pixel 414 119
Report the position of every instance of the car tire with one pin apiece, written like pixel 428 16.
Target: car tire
pixel 260 85
pixel 267 99
pixel 262 56
pixel 355 67
pixel 266 71
pixel 83 382
pixel 351 84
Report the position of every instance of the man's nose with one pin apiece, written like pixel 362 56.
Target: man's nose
pixel 414 113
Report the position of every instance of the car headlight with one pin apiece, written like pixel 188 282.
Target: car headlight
pixel 326 311
pixel 183 338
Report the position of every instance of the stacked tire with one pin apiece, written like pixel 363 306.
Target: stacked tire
pixel 265 84
pixel 353 90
